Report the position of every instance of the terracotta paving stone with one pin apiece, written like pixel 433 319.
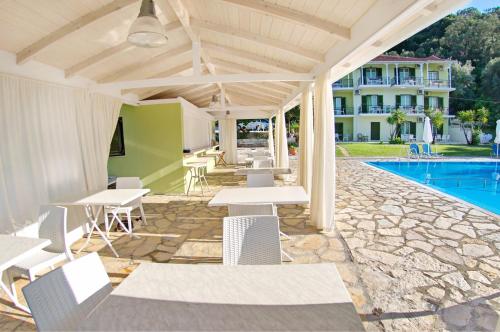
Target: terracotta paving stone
pixel 412 259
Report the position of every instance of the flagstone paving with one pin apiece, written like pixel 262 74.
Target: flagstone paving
pixel 412 259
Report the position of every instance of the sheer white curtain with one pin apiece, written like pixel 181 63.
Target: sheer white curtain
pixel 323 175
pixel 54 146
pixel 281 140
pixel 270 138
pixel 306 140
pixel 228 140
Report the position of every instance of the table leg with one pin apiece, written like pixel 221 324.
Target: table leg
pixel 93 218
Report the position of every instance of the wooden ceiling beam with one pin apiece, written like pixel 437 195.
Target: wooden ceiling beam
pixel 109 52
pixel 294 16
pixel 254 57
pixel 35 48
pixel 257 38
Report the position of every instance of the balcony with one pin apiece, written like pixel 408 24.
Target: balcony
pixel 345 83
pixel 437 84
pixel 383 109
pixel 407 81
pixel 373 81
pixel 344 111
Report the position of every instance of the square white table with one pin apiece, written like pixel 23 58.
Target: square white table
pixel 109 197
pixel 189 297
pixel 274 170
pixel 275 195
pixel 14 249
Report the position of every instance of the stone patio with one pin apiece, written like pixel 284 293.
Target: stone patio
pixel 412 259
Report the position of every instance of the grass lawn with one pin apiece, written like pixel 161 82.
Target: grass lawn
pixel 393 150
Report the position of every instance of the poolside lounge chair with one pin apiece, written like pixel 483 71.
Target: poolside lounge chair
pixel 495 151
pixel 414 151
pixel 427 151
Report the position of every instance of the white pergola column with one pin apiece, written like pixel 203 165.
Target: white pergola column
pixel 227 139
pixel 306 140
pixel 270 139
pixel 281 140
pixel 323 175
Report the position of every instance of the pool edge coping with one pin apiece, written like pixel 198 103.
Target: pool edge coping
pixel 490 213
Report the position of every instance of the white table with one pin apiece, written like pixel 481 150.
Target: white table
pixel 275 195
pixel 109 197
pixel 177 297
pixel 14 249
pixel 274 170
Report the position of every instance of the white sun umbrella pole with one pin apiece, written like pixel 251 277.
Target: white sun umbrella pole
pixel 427 138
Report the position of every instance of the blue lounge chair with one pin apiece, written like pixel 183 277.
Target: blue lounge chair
pixel 495 151
pixel 427 151
pixel 413 151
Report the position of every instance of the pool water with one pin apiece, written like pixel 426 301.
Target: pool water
pixel 475 182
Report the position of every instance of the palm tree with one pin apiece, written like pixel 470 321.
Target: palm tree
pixel 396 119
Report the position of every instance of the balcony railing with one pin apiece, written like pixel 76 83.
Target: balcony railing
pixel 379 80
pixel 385 109
pixel 344 111
pixel 444 110
pixel 408 80
pixel 343 83
pixel 432 83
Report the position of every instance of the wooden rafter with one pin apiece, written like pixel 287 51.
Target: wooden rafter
pixel 109 52
pixel 266 41
pixel 254 57
pixel 294 16
pixel 259 89
pixel 244 94
pixel 35 48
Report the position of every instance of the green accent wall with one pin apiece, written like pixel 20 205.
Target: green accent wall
pixel 153 147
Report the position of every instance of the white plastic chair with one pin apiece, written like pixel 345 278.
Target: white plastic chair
pixel 53 225
pixel 116 211
pixel 63 298
pixel 264 179
pixel 251 240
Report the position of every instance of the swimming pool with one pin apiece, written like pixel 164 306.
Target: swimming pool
pixel 475 182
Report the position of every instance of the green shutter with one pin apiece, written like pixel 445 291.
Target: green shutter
pixel 363 104
pixel 363 78
pixel 412 72
pixel 342 102
pixel 398 101
pixel 413 128
pixel 380 100
pixel 413 100
pixel 426 103
pixel 440 102
pixel 379 72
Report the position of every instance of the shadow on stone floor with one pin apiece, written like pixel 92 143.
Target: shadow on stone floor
pixel 474 315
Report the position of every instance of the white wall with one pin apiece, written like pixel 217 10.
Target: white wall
pixel 197 127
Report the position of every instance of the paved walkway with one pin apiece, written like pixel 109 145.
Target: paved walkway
pixel 411 259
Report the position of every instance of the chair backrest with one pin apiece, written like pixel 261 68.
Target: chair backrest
pixel 267 163
pixel 265 209
pixel 426 148
pixel 53 225
pixel 128 183
pixel 61 299
pixel 265 179
pixel 414 148
pixel 251 240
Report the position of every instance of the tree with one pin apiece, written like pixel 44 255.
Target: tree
pixel 437 121
pixel 464 81
pixel 474 120
pixel 396 119
pixel 490 87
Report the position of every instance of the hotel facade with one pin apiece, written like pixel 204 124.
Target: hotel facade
pixel 365 98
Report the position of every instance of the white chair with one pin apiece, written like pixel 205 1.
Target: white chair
pixel 197 175
pixel 63 298
pixel 53 225
pixel 262 163
pixel 264 179
pixel 251 240
pixel 116 211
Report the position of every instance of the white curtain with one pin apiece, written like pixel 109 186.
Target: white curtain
pixel 54 146
pixel 306 140
pixel 323 175
pixel 281 141
pixel 270 138
pixel 228 140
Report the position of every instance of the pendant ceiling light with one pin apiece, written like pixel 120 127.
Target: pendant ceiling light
pixel 147 31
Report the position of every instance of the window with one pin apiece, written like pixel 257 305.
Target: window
pixel 117 142
pixel 433 76
pixel 371 100
pixel 433 102
pixel 405 100
pixel 404 75
pixel 371 73
pixel 338 103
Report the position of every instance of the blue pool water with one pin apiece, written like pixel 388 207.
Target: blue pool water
pixel 475 182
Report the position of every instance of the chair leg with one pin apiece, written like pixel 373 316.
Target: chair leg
pixel 143 215
pixel 189 185
pixel 107 226
pixel 287 255
pixel 129 220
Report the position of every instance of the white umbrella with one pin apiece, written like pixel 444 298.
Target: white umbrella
pixel 497 137
pixel 427 135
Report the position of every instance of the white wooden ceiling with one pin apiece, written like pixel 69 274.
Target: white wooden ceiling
pixel 88 38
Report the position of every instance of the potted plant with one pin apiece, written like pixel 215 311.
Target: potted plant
pixel 292 149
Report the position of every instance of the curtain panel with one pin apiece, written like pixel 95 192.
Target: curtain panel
pixel 306 140
pixel 228 140
pixel 281 140
pixel 270 139
pixel 54 147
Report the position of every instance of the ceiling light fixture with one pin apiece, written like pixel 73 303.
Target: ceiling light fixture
pixel 147 30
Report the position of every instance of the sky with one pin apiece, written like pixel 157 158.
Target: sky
pixel 483 4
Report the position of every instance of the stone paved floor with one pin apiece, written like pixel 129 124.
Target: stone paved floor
pixel 411 259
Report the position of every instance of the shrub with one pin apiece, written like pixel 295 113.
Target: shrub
pixel 476 136
pixel 396 140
